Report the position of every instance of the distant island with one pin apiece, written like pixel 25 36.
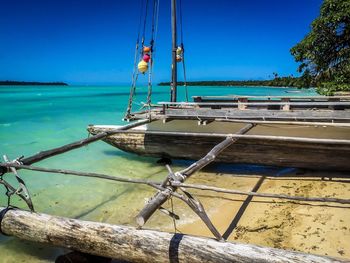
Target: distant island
pixel 29 83
pixel 276 82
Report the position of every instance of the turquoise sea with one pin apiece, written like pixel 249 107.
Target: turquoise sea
pixel 35 118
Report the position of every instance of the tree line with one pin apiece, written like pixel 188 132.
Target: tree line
pixel 30 83
pixel 291 81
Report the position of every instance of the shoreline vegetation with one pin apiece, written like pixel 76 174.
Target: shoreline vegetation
pixel 276 82
pixel 31 83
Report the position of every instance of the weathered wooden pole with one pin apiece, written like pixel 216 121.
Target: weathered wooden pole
pixel 134 245
pixel 162 196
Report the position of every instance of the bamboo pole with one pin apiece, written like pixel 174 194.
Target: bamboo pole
pixel 68 147
pixel 134 245
pixel 162 196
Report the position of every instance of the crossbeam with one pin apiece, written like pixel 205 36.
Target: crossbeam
pixel 162 196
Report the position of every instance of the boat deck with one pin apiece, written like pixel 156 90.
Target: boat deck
pixel 221 108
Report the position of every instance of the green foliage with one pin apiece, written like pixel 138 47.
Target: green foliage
pixel 290 81
pixel 339 83
pixel 324 54
pixel 329 88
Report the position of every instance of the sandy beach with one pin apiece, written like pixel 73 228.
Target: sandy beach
pixel 312 227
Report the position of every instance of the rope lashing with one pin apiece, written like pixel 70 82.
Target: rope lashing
pixel 21 190
pixel 9 189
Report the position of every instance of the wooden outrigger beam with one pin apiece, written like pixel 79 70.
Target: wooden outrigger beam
pixel 68 147
pixel 134 245
pixel 181 176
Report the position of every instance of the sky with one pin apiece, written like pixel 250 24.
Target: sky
pixel 92 42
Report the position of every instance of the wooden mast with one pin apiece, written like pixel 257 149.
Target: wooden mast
pixel 174 47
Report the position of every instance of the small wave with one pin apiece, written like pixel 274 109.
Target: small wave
pixel 5 124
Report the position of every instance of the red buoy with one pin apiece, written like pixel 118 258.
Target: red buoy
pixel 146 57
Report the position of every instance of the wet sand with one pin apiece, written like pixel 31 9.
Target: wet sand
pixel 312 227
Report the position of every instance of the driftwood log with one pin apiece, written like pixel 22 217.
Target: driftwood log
pixel 131 244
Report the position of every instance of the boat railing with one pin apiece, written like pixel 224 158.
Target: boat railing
pixel 267 97
pixel 281 104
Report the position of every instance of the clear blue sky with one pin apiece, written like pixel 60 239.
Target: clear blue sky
pixel 92 41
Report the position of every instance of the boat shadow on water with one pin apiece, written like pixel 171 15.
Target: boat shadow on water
pixel 237 169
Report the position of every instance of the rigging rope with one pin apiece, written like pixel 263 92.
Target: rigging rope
pixel 181 33
pixel 139 50
pixel 172 211
pixel 135 71
pixel 144 24
pixel 152 52
pixel 183 53
pixel 184 72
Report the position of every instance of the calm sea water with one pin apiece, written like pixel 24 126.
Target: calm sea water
pixel 35 118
